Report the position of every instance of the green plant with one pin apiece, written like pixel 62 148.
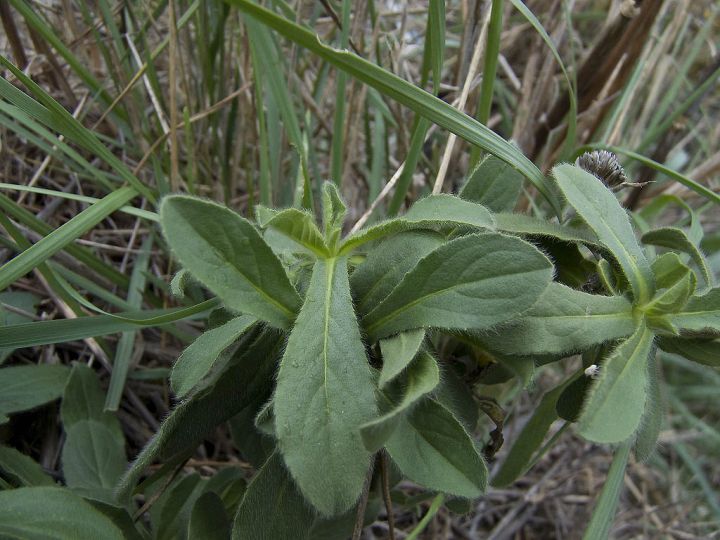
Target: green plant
pixel 343 365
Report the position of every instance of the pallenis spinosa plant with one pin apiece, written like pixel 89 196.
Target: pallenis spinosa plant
pixel 348 363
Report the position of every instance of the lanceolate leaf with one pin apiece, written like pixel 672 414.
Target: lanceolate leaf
pixel 295 224
pixel 433 212
pixel 674 298
pixel 21 470
pixel 226 253
pixel 35 511
pixel 272 508
pixel 525 225
pixel 604 215
pixel 398 351
pixel 702 351
pixel 616 401
pixel 333 208
pixel 26 387
pixel 494 184
pixel 324 393
pixel 676 239
pixel 564 320
pixel 421 377
pixel 386 265
pixel 701 315
pixel 475 281
pixel 433 449
pixel 197 360
pixel 244 381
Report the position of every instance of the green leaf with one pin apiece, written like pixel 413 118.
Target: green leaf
pixel 530 438
pixel 494 184
pixel 676 239
pixel 24 301
pixel 422 102
pixel 297 225
pixel 674 298
pixel 701 315
pixel 22 470
pixel 93 458
pixel 324 393
pixel 433 449
pixel 668 269
pixel 171 513
pixel 655 408
pixel 702 351
pixel 457 397
pixel 397 352
pixel 226 253
pixel 272 508
pixel 617 398
pixel 421 377
pixel 475 281
pixel 333 207
pixel 564 320
pixel 83 400
pixel 433 212
pixel 601 211
pixel 525 225
pixel 34 511
pixel 208 520
pixel 244 381
pixel 68 232
pixel 27 387
pixel 198 359
pixel 386 265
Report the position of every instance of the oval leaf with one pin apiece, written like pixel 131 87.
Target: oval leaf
pixel 475 281
pixel 433 449
pixel 225 252
pixel 35 512
pixel 27 387
pixel 397 352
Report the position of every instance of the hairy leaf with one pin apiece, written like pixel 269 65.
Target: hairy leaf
pixel 273 508
pixel 397 352
pixel 433 449
pixel 324 393
pixel 421 377
pixel 34 512
pixel 494 184
pixel 386 265
pixel 701 315
pixel 297 225
pixel 333 208
pixel 475 281
pixel 617 398
pixel 674 298
pixel 226 253
pixel 676 239
pixel 702 351
pixel 562 321
pixel 525 225
pixel 27 387
pixel 244 381
pixel 604 215
pixel 433 212
pixel 197 360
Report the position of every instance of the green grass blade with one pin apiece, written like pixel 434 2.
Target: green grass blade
pixel 66 233
pixel 604 512
pixel 415 98
pixel 338 147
